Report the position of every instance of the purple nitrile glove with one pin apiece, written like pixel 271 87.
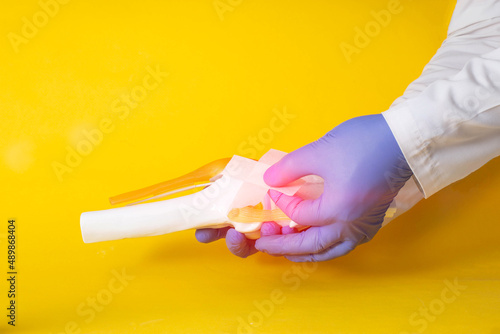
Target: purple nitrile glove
pixel 363 169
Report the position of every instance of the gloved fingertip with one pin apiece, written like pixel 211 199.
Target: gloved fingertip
pixel 205 235
pixel 238 244
pixel 234 237
pixel 274 194
pixel 270 228
pixel 271 176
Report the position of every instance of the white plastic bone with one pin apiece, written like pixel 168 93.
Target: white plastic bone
pixel 241 185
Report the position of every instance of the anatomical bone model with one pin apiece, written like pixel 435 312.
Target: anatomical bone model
pixel 235 194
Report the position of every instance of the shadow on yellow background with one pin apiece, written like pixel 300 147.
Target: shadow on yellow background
pixel 98 98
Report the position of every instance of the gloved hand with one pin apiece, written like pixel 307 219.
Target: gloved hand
pixel 363 169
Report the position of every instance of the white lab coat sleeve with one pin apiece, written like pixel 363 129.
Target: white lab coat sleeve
pixel 469 12
pixel 453 126
pixel 473 31
pixel 457 49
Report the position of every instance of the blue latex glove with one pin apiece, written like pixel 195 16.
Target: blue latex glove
pixel 363 168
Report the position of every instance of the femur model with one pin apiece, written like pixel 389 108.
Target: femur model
pixel 233 194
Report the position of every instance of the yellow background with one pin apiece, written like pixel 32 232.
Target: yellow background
pixel 226 76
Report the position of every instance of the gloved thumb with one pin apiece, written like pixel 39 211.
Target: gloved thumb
pixel 291 167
